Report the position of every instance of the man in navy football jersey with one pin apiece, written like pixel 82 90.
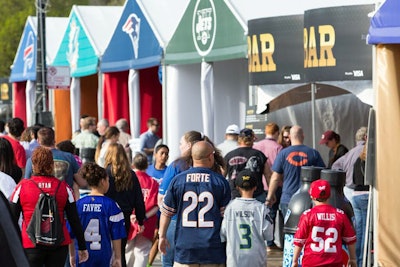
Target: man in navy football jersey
pixel 198 196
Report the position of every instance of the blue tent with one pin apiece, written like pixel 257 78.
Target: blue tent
pixel 385 24
pixel 130 63
pixel 23 70
pixel 24 65
pixel 134 33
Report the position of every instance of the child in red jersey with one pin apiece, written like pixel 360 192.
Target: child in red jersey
pixel 321 231
pixel 139 243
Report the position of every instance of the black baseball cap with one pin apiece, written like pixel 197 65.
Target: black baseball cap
pixel 246 132
pixel 246 179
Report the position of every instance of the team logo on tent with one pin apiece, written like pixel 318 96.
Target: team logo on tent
pixel 29 53
pixel 73 45
pixel 204 26
pixel 132 28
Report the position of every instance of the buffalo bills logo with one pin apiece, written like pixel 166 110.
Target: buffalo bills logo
pixel 132 28
pixel 29 52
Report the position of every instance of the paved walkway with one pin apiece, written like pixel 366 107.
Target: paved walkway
pixel 274 259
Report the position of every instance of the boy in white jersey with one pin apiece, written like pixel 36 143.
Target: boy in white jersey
pixel 246 225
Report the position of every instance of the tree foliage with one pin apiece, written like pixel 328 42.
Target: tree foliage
pixel 14 15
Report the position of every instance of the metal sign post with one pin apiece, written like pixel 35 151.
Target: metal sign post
pixel 41 115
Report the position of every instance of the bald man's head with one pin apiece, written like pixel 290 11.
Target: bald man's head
pixel 296 134
pixel 201 150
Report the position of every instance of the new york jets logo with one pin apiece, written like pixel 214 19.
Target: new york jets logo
pixel 204 26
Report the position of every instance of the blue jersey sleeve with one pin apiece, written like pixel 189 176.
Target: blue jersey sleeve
pixel 227 193
pixel 170 206
pixel 117 221
pixel 171 171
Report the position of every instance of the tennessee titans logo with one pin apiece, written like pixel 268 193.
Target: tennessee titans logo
pixel 29 53
pixel 132 28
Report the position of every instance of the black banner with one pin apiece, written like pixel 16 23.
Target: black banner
pixel 275 50
pixel 256 122
pixel 325 44
pixel 335 46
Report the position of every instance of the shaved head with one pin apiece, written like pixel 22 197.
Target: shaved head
pixel 201 150
pixel 296 134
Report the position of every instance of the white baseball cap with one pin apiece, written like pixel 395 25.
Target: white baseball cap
pixel 232 129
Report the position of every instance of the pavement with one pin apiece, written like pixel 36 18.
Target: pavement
pixel 274 259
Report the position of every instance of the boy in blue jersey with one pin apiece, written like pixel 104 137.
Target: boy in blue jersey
pixel 246 225
pixel 198 196
pixel 102 220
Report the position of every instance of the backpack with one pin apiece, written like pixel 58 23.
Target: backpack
pixel 359 172
pixel 45 227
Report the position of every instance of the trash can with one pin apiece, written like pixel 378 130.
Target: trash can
pixel 337 180
pixel 299 203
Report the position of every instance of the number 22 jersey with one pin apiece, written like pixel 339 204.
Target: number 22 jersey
pixel 198 196
pixel 102 221
pixel 322 229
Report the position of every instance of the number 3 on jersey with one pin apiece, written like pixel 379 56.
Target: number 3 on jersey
pixel 194 200
pixel 324 240
pixel 246 236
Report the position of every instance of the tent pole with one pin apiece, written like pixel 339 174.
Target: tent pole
pixel 313 92
pixel 164 103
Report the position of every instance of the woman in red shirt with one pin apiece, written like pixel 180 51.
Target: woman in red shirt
pixel 24 199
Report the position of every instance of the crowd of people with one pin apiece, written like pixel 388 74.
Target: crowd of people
pixel 123 207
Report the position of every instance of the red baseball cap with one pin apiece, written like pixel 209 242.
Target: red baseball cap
pixel 326 136
pixel 320 189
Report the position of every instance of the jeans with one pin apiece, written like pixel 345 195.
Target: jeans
pixel 284 208
pixel 360 213
pixel 168 258
pixel 274 210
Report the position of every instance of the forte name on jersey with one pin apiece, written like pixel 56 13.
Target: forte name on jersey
pixel 198 177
